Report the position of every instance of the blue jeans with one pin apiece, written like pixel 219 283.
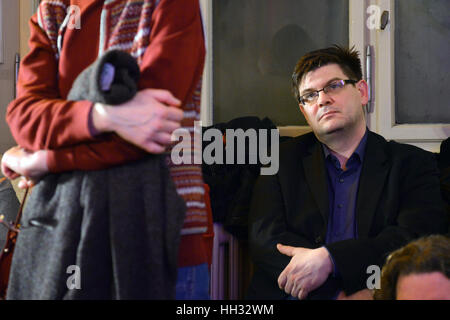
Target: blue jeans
pixel 193 283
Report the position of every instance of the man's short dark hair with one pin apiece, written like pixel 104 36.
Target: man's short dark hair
pixel 347 59
pixel 425 255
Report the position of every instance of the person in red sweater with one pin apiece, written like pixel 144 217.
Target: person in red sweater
pixel 56 135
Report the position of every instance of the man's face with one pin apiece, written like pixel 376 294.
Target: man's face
pixel 333 112
pixel 423 286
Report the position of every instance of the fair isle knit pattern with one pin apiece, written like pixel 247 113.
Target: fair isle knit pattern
pixel 52 18
pixel 126 26
pixel 188 178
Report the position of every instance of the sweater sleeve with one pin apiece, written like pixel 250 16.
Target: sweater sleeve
pixel 39 118
pixel 172 61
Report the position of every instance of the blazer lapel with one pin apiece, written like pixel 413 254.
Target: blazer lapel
pixel 314 166
pixel 371 183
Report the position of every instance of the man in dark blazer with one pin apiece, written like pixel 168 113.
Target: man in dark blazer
pixel 343 197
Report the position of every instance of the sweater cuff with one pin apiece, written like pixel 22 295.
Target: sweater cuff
pixel 57 161
pixel 81 131
pixel 92 130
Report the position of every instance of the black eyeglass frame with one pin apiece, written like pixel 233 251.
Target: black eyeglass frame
pixel 347 81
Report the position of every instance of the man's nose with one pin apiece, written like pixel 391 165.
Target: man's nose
pixel 323 99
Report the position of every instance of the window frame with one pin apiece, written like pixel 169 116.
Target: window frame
pixel 425 136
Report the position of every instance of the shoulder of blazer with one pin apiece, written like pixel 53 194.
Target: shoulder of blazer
pixel 394 149
pixel 298 145
pixel 293 150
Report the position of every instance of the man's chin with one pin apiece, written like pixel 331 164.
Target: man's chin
pixel 331 130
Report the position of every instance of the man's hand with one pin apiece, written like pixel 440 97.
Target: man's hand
pixel 307 270
pixel 146 121
pixel 32 166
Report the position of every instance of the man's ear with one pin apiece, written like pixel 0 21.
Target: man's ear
pixel 300 106
pixel 363 89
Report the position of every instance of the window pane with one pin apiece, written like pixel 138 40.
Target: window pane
pixel 422 64
pixel 256 44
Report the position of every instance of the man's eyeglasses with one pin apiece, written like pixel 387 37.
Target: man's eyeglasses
pixel 334 87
